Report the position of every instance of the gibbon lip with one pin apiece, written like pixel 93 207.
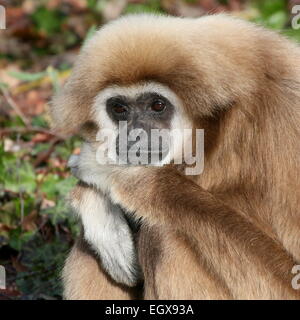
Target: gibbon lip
pixel 148 152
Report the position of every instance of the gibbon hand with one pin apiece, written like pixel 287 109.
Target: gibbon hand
pixel 106 230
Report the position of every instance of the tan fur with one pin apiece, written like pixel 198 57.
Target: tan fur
pixel 232 232
pixel 251 263
pixel 84 278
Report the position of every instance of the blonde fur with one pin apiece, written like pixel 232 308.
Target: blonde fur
pixel 232 232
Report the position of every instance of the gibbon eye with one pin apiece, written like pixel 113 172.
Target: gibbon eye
pixel 118 108
pixel 158 106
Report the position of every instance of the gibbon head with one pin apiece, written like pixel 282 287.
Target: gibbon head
pixel 157 72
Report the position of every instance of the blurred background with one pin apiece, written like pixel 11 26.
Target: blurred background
pixel 37 51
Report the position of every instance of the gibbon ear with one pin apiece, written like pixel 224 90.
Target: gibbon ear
pixel 71 107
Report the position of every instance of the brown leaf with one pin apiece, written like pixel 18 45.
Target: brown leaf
pixel 17 264
pixel 181 8
pixel 113 9
pixel 78 5
pixel 10 80
pixel 235 5
pixel 76 151
pixel 29 222
pixel 46 203
pixel 29 6
pixel 14 14
pixel 5 294
pixel 5 227
pixel 58 163
pixel 33 102
pixel 41 137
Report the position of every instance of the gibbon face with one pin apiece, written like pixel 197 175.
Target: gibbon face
pixel 141 117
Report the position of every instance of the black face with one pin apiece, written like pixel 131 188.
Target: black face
pixel 147 111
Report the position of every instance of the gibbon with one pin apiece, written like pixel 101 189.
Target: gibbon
pixel 231 232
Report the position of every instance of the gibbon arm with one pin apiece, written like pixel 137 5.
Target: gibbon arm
pixel 231 245
pixel 250 263
pixel 85 279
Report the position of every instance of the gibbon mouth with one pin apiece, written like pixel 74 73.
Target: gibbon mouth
pixel 147 155
pixel 154 152
pixel 148 152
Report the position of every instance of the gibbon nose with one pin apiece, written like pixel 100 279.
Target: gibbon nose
pixel 120 149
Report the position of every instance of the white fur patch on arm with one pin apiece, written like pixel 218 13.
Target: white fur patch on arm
pixel 107 231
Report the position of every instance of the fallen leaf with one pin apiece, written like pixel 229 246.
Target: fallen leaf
pixel 46 203
pixel 76 151
pixel 11 145
pixel 41 137
pixel 33 102
pixel 29 222
pixel 181 8
pixel 113 9
pixel 7 78
pixel 18 265
pixel 29 6
pixel 5 227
